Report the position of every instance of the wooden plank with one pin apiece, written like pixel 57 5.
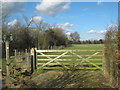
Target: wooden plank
pixel 88 64
pixel 67 64
pixel 68 60
pixel 63 56
pixel 38 51
pixel 51 55
pixel 59 68
pixel 50 64
pixel 57 59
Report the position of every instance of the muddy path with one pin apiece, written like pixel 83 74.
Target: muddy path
pixel 67 79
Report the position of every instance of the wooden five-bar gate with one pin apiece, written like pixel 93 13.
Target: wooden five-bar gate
pixel 69 59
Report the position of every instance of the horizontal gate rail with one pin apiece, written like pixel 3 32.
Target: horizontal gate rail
pixel 65 55
pixel 68 60
pixel 66 50
pixel 48 59
pixel 69 64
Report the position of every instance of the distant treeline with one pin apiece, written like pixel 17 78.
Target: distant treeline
pixel 101 41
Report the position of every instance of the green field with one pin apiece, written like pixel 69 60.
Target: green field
pixel 85 47
pixel 74 60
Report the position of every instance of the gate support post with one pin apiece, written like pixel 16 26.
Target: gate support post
pixel 33 60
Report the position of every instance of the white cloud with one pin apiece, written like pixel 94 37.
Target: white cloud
pixel 92 31
pixel 66 28
pixel 97 32
pixel 14 22
pixel 68 33
pixel 102 31
pixel 36 19
pixel 12 7
pixel 99 2
pixel 51 7
pixel 65 25
pixel 112 26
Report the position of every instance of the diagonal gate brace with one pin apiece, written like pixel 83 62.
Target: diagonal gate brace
pixel 86 59
pixel 54 59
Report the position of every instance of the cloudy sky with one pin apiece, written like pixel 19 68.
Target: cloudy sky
pixel 89 19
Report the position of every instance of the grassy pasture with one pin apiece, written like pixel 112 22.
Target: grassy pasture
pixel 73 59
pixel 85 47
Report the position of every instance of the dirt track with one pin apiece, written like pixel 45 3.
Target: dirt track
pixel 67 79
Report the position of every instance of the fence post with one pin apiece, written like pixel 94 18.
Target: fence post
pixel 7 57
pixel 19 54
pixel 33 60
pixel 32 52
pixel 15 55
pixel 27 58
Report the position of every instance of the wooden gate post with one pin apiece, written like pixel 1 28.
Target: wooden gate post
pixel 7 58
pixel 27 57
pixel 33 60
pixel 15 55
pixel 32 67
